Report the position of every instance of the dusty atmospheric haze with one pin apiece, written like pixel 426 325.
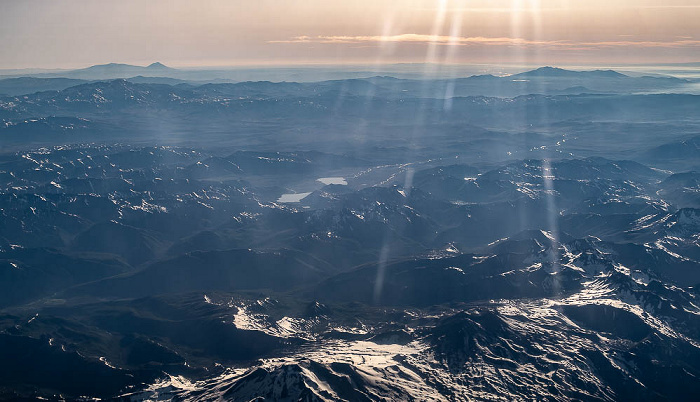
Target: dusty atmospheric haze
pixel 350 201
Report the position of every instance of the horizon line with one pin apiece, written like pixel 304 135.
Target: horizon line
pixel 312 64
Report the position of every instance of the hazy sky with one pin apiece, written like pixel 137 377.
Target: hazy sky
pixel 78 33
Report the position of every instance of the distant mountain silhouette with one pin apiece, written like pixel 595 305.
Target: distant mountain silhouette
pixel 158 65
pixel 118 70
pixel 119 66
pixel 554 72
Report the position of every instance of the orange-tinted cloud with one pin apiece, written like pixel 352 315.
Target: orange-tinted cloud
pixel 486 41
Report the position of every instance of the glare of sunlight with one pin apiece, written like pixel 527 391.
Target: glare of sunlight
pixel 450 56
pixel 381 268
pixel 438 22
pixel 549 194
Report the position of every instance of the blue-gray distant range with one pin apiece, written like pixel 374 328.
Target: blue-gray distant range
pixel 190 235
pixel 449 80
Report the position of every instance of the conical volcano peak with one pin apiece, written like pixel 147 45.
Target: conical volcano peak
pixel 157 65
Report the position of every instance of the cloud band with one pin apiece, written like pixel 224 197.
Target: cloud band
pixel 484 41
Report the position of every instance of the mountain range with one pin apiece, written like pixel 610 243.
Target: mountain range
pixel 546 80
pixel 374 238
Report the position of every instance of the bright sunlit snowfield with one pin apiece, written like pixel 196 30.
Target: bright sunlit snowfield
pixel 326 201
